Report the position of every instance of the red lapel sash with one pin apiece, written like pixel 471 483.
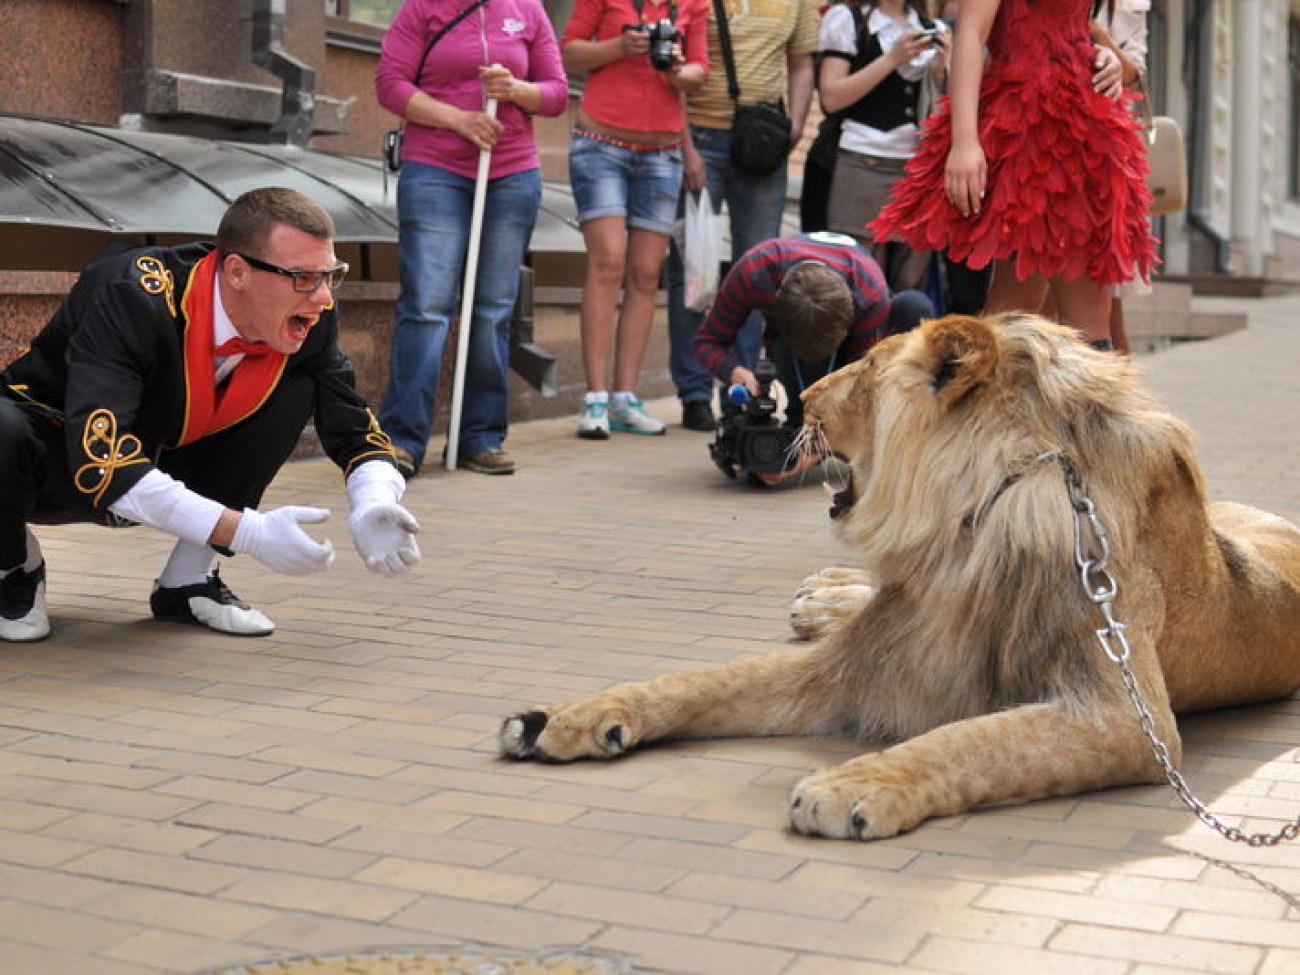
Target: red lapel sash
pixel 208 409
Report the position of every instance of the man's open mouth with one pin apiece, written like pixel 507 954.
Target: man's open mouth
pixel 300 325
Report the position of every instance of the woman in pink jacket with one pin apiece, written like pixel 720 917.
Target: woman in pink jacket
pixel 504 50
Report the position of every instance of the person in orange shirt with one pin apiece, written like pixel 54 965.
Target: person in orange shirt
pixel 625 165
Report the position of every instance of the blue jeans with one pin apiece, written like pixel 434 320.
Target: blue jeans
pixel 755 205
pixel 639 185
pixel 434 208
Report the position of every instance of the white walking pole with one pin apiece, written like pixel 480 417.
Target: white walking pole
pixel 467 295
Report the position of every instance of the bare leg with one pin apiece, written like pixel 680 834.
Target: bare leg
pixel 1006 293
pixel 1084 305
pixel 1118 329
pixel 606 239
pixel 645 259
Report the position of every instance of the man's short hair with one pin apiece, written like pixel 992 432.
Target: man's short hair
pixel 250 219
pixel 813 310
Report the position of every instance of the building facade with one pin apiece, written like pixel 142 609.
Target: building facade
pixel 1230 73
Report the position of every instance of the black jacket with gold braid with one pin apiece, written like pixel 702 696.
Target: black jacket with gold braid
pixel 112 366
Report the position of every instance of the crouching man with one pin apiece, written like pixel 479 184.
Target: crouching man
pixel 168 390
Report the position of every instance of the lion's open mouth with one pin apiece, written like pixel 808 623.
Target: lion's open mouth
pixel 843 499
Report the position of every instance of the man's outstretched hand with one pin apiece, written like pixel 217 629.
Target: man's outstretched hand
pixel 384 535
pixel 276 539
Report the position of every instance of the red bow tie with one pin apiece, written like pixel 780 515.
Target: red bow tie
pixel 241 346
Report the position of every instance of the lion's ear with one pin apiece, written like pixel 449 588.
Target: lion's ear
pixel 961 354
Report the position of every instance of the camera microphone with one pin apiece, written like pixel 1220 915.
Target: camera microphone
pixel 738 395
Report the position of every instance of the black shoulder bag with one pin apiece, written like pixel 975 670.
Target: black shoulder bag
pixel 760 133
pixel 393 137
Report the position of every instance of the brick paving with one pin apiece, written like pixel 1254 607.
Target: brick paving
pixel 176 801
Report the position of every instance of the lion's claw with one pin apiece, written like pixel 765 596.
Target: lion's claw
pixel 567 733
pixel 519 734
pixel 841 806
pixel 826 599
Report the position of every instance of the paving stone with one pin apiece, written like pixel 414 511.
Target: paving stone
pixel 175 800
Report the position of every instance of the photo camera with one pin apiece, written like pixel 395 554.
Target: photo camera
pixel 663 35
pixel 750 437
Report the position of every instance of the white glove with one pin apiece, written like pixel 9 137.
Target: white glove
pixel 384 535
pixel 276 540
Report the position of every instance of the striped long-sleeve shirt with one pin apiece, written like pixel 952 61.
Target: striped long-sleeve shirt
pixel 752 283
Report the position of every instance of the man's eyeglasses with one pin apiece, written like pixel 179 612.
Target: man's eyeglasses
pixel 305 282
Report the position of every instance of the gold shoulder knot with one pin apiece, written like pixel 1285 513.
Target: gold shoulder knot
pixel 156 279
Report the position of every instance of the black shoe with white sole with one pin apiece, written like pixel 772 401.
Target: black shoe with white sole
pixel 23 617
pixel 209 603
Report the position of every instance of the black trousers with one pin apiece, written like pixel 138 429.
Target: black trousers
pixel 233 466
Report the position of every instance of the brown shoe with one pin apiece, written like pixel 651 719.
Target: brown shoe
pixel 406 463
pixel 494 460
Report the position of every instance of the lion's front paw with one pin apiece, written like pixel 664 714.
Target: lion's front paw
pixel 850 806
pixel 576 731
pixel 824 600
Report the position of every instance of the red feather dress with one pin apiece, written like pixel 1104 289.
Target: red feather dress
pixel 1066 193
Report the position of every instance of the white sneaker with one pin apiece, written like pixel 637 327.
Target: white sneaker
pixel 630 416
pixel 23 616
pixel 594 422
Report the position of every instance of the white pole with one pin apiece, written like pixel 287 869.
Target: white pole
pixel 467 295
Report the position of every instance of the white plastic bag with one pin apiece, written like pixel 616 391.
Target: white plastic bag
pixel 702 250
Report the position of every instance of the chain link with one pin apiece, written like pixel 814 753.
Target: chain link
pixel 1091 555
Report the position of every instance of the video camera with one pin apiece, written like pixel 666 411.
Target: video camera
pixel 750 437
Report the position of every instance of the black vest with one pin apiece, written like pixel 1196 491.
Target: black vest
pixel 891 103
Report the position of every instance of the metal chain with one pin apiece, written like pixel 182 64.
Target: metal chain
pixel 1091 555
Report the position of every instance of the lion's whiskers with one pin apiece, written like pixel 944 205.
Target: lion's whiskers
pixel 809 446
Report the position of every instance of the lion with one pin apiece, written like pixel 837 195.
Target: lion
pixel 966 643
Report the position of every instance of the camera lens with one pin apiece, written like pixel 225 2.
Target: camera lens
pixel 662 36
pixel 768 452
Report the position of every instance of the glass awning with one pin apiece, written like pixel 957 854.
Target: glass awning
pixel 66 174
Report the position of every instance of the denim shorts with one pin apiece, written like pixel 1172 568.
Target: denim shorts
pixel 640 185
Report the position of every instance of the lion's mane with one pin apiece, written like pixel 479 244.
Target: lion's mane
pixel 963 519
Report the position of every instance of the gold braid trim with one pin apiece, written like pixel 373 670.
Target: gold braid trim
pixel 100 440
pixel 377 438
pixel 382 443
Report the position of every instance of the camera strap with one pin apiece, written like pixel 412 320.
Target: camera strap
pixel 639 7
pixel 798 370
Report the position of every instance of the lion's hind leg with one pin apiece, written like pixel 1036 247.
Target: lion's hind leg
pixel 825 599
